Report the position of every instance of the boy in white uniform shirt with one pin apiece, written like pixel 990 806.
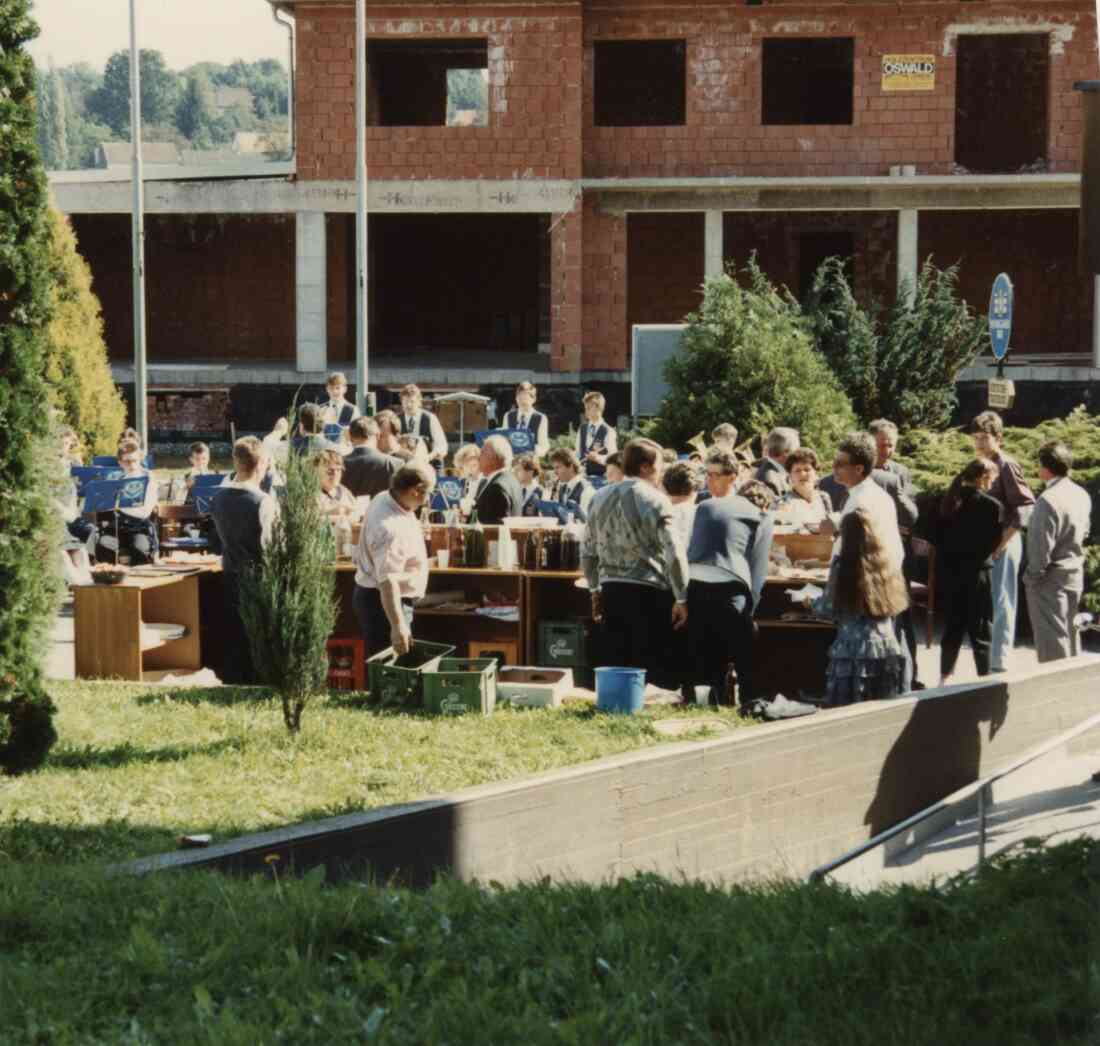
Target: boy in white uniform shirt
pixel 338 410
pixel 596 440
pixel 418 422
pixel 524 417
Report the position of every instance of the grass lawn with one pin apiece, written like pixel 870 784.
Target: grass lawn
pixel 137 765
pixel 193 958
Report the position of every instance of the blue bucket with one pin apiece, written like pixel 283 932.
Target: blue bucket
pixel 620 689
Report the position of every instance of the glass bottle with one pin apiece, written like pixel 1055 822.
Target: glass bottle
pixel 531 551
pixel 475 543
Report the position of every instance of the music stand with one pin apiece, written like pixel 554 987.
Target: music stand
pixel 85 474
pixel 110 495
pixel 521 440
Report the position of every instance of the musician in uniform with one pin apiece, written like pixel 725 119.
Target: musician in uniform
pixel 574 492
pixel 596 440
pixel 525 418
pixel 337 410
pixel 415 421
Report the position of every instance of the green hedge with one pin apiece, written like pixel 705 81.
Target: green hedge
pixel 936 457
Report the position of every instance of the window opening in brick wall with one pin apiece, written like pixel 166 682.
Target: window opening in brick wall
pixel 1001 108
pixel 428 83
pixel 471 282
pixel 808 81
pixel 640 83
pixel 815 247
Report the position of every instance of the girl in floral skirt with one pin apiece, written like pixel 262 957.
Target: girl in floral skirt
pixel 865 592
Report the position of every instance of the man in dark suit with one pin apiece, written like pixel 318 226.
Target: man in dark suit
pixel 366 469
pixel 499 493
pixel 772 470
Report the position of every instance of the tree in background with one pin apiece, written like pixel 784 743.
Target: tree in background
pixel 288 602
pixel 109 104
pixel 29 530
pixel 195 112
pixel 53 133
pixel 900 364
pixel 77 368
pixel 747 358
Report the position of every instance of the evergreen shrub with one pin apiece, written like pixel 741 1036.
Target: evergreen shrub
pixel 78 370
pixel 29 528
pixel 288 601
pixel 899 363
pixel 748 358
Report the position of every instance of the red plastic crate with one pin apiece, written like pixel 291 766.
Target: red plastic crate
pixel 346 663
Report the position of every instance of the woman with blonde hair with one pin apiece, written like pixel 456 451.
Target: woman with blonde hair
pixel 866 591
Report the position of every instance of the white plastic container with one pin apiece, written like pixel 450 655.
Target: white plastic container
pixel 529 687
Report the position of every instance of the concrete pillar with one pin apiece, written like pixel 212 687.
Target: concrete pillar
pixel 712 245
pixel 1096 322
pixel 311 297
pixel 907 247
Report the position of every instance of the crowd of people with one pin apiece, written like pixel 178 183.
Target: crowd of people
pixel 676 549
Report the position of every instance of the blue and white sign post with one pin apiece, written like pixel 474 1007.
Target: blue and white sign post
pixel 1001 303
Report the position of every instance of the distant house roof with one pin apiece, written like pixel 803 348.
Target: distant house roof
pixel 232 98
pixel 207 157
pixel 257 143
pixel 117 154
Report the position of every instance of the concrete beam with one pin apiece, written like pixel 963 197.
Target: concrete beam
pixel 311 296
pixel 712 262
pixel 961 192
pixel 286 196
pixel 908 263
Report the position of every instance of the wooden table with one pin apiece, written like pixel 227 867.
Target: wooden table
pixel 107 625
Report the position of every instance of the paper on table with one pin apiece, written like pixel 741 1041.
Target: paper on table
pixel 805 593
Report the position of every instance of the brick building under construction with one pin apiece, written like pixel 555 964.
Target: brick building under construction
pixel 628 151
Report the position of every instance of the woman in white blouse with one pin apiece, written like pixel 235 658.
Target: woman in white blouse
pixel 803 505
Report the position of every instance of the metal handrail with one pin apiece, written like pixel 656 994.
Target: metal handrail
pixel 982 787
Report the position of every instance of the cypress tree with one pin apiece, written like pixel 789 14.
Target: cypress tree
pixel 77 368
pixel 29 585
pixel 59 130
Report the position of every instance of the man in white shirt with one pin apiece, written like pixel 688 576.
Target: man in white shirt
pixel 418 422
pixel 852 467
pixel 391 561
pixel 525 418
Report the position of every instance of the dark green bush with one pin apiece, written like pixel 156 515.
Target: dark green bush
pixel 899 363
pixel 747 358
pixel 29 528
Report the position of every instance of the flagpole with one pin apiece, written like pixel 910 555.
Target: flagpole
pixel 141 420
pixel 361 278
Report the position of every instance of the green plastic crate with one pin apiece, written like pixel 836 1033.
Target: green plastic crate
pixel 460 686
pixel 397 679
pixel 564 644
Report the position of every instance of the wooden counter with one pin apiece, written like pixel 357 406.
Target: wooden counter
pixel 107 623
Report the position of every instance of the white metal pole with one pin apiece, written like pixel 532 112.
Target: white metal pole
pixel 141 420
pixel 362 298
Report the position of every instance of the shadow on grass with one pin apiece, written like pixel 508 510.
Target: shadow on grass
pixel 88 757
pixel 209 695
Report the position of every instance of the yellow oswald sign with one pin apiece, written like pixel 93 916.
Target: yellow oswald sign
pixel 908 72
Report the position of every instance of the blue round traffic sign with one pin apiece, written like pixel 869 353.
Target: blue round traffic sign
pixel 1000 315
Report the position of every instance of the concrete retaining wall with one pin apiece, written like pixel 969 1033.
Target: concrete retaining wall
pixel 776 799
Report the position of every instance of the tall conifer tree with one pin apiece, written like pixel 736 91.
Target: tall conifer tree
pixel 28 528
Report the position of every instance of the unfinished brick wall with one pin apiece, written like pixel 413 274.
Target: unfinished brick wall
pixel 534 95
pixel 724 135
pixel 603 316
pixel 776 239
pixel 664 268
pixel 1053 309
pixel 217 286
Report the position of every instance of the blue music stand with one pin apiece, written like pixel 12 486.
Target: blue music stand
pixel 106 495
pixel 85 474
pixel 447 494
pixel 334 432
pixel 554 510
pixel 597 482
pixel 522 440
